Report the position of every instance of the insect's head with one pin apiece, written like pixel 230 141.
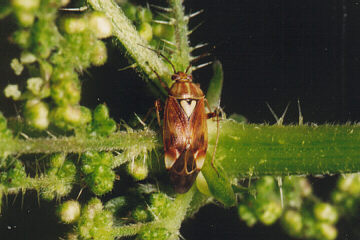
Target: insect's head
pixel 181 77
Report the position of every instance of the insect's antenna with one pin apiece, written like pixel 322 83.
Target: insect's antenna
pixel 187 69
pixel 162 55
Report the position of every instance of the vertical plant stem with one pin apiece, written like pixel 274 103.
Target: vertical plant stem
pixel 181 35
pixel 147 60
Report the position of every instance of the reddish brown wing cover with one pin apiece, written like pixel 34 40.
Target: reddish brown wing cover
pixel 178 132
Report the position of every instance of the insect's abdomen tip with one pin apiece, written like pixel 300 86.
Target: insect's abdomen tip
pixel 182 183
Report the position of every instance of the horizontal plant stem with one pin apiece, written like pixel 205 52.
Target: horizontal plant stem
pixel 142 140
pixel 255 150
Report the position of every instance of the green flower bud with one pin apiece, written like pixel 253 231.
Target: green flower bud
pixel 64 2
pixel 25 18
pixel 57 160
pixel 145 31
pixel 16 66
pixel 144 15
pixel 160 204
pixel 15 176
pixel 106 158
pixel 326 231
pixel 350 183
pixel 47 195
pixel 22 38
pixel 292 222
pixel 98 54
pixel 101 180
pixel 46 70
pixel 101 113
pixel 27 58
pixel 154 233
pixel 72 114
pixel 129 10
pixel 137 170
pixel 69 211
pixel 27 5
pixel 268 212
pixel 36 114
pixel 305 187
pixel 34 85
pixel 100 25
pixel 140 214
pixel 66 92
pixel 163 31
pixel 93 207
pixel 63 75
pixel 85 115
pixel 67 171
pixel 326 212
pixel 265 184
pixel 247 215
pixel 12 91
pixel 72 25
pixel 89 160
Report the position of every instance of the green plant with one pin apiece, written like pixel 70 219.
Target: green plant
pixel 88 148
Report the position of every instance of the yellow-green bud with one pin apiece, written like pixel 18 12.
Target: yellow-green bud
pixel 144 14
pixel 99 54
pixel 145 31
pixel 325 212
pixel 46 70
pixel 27 5
pixel 25 18
pixel 138 170
pixel 327 231
pixel 34 85
pixel 16 66
pixel 292 221
pixel 72 25
pixel 12 90
pixel 269 212
pixel 27 57
pixel 72 114
pixel 69 211
pixel 36 114
pixel 100 25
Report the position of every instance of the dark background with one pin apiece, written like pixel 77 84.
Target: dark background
pixel 276 51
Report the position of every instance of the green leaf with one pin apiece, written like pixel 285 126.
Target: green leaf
pixel 213 94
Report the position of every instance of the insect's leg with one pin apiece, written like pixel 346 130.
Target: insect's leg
pixel 161 81
pixel 212 115
pixel 158 109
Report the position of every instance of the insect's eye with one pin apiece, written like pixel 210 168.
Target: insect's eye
pixel 173 77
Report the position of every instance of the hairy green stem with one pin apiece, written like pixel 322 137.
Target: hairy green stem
pixel 255 150
pixel 181 35
pixel 142 140
pixel 147 60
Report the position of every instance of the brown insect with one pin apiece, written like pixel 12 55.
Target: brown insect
pixel 185 134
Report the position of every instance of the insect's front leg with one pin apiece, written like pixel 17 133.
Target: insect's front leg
pixel 158 109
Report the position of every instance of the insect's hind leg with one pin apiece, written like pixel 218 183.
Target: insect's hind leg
pixel 158 109
pixel 214 114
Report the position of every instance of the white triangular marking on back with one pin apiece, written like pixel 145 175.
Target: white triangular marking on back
pixel 188 106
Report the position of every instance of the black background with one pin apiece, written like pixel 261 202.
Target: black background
pixel 276 51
